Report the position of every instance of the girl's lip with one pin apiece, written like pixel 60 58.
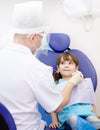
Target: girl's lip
pixel 66 70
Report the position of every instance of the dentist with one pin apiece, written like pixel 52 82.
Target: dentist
pixel 24 80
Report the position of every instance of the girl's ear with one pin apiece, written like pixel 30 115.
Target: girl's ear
pixel 57 67
pixel 77 67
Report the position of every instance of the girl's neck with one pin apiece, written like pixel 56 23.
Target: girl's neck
pixel 66 78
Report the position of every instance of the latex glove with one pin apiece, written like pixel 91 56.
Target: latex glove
pixel 76 78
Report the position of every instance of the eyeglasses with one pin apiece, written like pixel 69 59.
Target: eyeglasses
pixel 41 34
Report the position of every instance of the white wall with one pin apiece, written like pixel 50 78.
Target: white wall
pixel 88 42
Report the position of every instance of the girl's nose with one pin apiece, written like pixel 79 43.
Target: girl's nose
pixel 66 65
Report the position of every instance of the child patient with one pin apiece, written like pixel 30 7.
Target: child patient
pixel 82 101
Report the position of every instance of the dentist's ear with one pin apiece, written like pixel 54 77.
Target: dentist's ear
pixel 31 37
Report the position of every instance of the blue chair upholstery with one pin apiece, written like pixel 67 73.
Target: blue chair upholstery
pixel 59 43
pixel 6 119
pixel 86 66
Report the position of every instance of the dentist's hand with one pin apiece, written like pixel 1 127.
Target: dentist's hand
pixel 76 78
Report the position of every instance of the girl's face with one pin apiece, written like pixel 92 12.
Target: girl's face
pixel 66 68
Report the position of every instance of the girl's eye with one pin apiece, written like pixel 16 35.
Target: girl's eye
pixel 62 62
pixel 71 63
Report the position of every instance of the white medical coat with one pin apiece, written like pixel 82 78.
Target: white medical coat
pixel 25 81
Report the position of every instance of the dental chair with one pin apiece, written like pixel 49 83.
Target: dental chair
pixel 59 43
pixel 6 119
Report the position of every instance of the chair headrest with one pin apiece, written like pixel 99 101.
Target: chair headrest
pixel 59 42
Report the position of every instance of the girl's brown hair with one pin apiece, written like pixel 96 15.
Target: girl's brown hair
pixel 66 57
